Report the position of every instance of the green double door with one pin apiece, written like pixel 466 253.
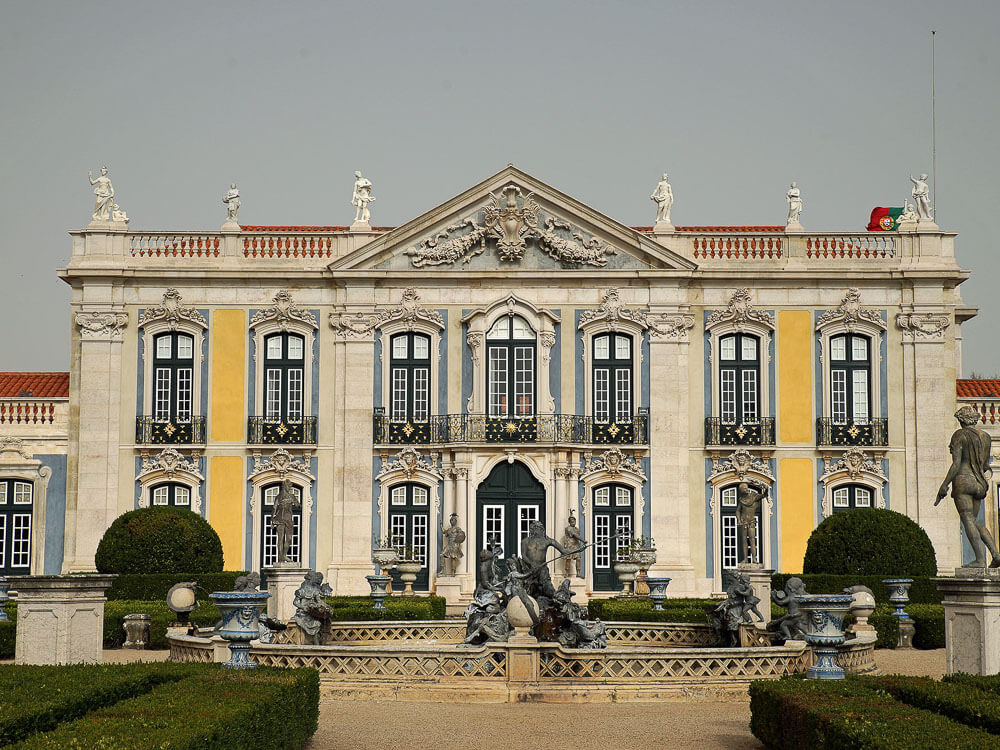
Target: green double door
pixel 507 501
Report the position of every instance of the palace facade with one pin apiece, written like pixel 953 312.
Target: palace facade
pixel 510 355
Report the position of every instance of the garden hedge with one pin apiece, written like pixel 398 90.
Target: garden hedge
pixel 213 709
pixel 793 713
pixel 149 587
pixel 160 617
pixel 923 590
pixel 640 609
pixel 989 683
pixel 361 609
pixel 870 541
pixel 965 703
pixel 164 539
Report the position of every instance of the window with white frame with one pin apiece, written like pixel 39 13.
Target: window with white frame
pixel 16 501
pixel 849 496
pixel 410 377
pixel 730 549
pixel 850 378
pixel 511 368
pixel 613 516
pixel 612 378
pixel 173 377
pixel 268 534
pixel 409 527
pixel 284 375
pixel 170 494
pixel 739 379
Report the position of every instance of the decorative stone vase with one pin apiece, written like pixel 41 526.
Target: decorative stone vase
pixel 657 591
pixel 240 623
pixel 626 571
pixel 380 591
pixel 408 570
pixel 136 631
pixel 4 597
pixel 899 595
pixel 385 557
pixel 645 558
pixel 825 631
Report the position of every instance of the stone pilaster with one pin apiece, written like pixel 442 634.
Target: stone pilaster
pixel 972 621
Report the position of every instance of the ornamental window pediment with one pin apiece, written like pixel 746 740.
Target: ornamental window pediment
pixel 171 315
pixel 283 315
pixel 173 467
pixel 854 468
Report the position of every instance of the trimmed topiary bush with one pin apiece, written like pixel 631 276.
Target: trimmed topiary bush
pixel 870 541
pixel 159 540
pixel 152 587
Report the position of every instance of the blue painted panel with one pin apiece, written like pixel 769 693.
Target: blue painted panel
pixel 140 371
pixel 709 536
pixel 647 515
pixel 55 513
pixel 206 314
pixel 771 370
pixel 442 374
pixel 315 375
pixel 138 485
pixel 313 531
pixel 467 372
pixel 248 501
pixel 707 367
pixel 884 370
pixel 644 373
pixel 376 468
pixel 377 373
pixel 578 344
pixel 555 366
pixel 775 514
pixel 885 487
pixel 817 359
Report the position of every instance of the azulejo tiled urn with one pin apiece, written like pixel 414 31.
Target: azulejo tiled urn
pixel 657 591
pixel 825 631
pixel 379 585
pixel 240 612
pixel 899 595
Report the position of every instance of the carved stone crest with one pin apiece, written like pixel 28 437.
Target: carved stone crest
pixel 670 325
pixel 854 462
pixel 510 224
pixel 612 310
pixel 101 325
pixel 283 312
pixel 408 461
pixel 171 313
pixel 739 312
pixel 410 311
pixel 281 462
pixel 741 462
pixel 614 462
pixel 171 462
pixel 922 325
pixel 14 445
pixel 850 313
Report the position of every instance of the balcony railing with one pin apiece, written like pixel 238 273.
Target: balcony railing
pixel 478 428
pixel 718 432
pixel 153 431
pixel 270 431
pixel 871 432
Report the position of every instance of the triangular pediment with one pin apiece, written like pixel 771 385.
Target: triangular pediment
pixel 512 221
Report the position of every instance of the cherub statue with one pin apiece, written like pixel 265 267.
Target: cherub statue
pixel 792 625
pixel 311 612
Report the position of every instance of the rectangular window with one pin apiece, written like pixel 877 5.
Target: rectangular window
pixel 623 347
pixel 397 532
pixel 398 413
pixel 182 496
pixel 838 348
pixel 272 394
pixel 274 347
pixel 841 498
pixel 295 395
pixel 295 347
pixel 862 497
pixel 161 398
pixel 524 381
pixel 161 496
pixel 270 494
pixel 729 497
pixel 859 349
pixel 602 409
pixel 185 347
pixel 749 352
pixel 623 396
pixel 623 496
pixel 602 496
pixel 163 347
pixel 420 496
pixel 421 394
pixel 602 349
pixel 727 348
pixel 399 347
pixel 728 542
pixel 398 496
pixel 525 515
pixel 623 528
pixel 838 382
pixel 184 395
pixel 492 527
pixel 497 397
pixel 20 551
pixel 728 396
pixel 419 540
pixel 749 396
pixel 421 347
pixel 3 493
pixel 860 396
pixel 22 493
pixel 602 547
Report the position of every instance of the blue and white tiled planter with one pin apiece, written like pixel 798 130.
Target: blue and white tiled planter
pixel 657 591
pixel 825 631
pixel 240 612
pixel 899 595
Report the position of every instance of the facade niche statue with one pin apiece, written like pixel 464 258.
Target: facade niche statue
pixel 286 505
pixel 104 196
pixel 663 197
pixel 572 540
pixel 970 461
pixel 454 538
pixel 749 496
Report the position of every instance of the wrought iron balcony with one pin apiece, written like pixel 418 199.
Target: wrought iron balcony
pixel 154 431
pixel 478 428
pixel 871 432
pixel 271 431
pixel 718 432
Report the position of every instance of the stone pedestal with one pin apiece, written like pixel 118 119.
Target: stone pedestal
pixel 663 227
pixel 361 226
pixel 906 632
pixel 60 619
pixel 522 659
pixel 136 631
pixel 972 620
pixel 794 227
pixel 231 226
pixel 283 580
pixel 450 587
pixel 760 582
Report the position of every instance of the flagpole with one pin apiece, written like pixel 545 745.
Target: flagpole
pixel 933 133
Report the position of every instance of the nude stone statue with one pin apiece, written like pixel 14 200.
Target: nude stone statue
pixel 794 198
pixel 232 201
pixel 572 540
pixel 663 196
pixel 283 518
pixel 748 500
pixel 453 537
pixel 361 198
pixel 970 459
pixel 922 197
pixel 534 547
pixel 104 195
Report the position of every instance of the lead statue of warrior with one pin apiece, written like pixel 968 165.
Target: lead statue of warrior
pixel 573 540
pixel 454 538
pixel 970 459
pixel 748 499
pixel 286 504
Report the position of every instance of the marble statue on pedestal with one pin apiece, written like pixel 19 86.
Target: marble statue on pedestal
pixel 453 537
pixel 286 504
pixel 908 215
pixel 663 196
pixel 970 462
pixel 572 540
pixel 104 196
pixel 922 197
pixel 232 201
pixel 361 198
pixel 118 214
pixel 794 198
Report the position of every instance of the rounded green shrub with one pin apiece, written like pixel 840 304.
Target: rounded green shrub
pixel 159 540
pixel 870 541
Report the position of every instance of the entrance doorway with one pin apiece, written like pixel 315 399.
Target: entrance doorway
pixel 507 501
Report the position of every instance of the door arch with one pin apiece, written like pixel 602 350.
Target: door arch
pixel 507 501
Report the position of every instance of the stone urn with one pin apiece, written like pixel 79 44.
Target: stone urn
pixel 240 612
pixel 4 597
pixel 626 570
pixel 385 557
pixel 824 615
pixel 408 570
pixel 899 595
pixel 862 608
pixel 657 591
pixel 136 631
pixel 645 557
pixel 380 589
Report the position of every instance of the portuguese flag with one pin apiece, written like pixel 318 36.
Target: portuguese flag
pixel 884 219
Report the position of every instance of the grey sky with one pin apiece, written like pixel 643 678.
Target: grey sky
pixel 735 100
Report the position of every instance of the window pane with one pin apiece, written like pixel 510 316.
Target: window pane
pixel 602 496
pixel 840 498
pixel 623 395
pixel 421 394
pixel 161 394
pixel 521 329
pixel 163 347
pixel 161 495
pixel 398 409
pixel 838 348
pixel 3 539
pixel 859 349
pixel 499 329
pixel 862 497
pixel 623 496
pixel 728 541
pixel 3 493
pixel 493 525
pixel 270 494
pixel 838 380
pixel 273 345
pixel 623 530
pixel 601 395
pixel 602 547
pixel 399 347
pixel 602 349
pixel 525 515
pixel 184 376
pixel 860 396
pixel 295 394
pixel 728 396
pixel 418 540
pixel 22 493
pixel 185 347
pixel 420 496
pixel 749 348
pixel 729 497
pixel 727 348
pixel 296 347
pixel 749 396
pixel 272 397
pixel 182 495
pixel 20 552
pixel 497 396
pixel 398 496
pixel 623 347
pixel 524 380
pixel 421 347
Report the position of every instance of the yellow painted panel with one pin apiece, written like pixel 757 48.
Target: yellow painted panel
pixel 226 413
pixel 796 506
pixel 225 507
pixel 795 410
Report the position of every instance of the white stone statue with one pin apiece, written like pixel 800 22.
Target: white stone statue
pixel 922 197
pixel 794 198
pixel 663 196
pixel 232 201
pixel 118 214
pixel 104 194
pixel 361 198
pixel 908 215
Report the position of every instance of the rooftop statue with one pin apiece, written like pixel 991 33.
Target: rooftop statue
pixel 118 214
pixel 453 537
pixel 922 197
pixel 361 198
pixel 663 196
pixel 232 201
pixel 286 504
pixel 104 196
pixel 794 198
pixel 908 214
pixel 970 462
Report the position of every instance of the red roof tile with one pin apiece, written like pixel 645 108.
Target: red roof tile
pixel 268 228
pixel 34 384
pixel 757 229
pixel 977 388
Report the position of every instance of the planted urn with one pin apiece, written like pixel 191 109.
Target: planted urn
pixel 240 624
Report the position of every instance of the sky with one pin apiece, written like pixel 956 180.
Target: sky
pixel 733 99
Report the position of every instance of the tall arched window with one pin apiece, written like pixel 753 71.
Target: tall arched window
pixel 850 378
pixel 284 357
pixel 171 494
pixel 739 379
pixel 173 373
pixel 410 377
pixel 510 374
pixel 613 515
pixel 15 526
pixel 849 496
pixel 409 524
pixel 269 537
pixel 612 378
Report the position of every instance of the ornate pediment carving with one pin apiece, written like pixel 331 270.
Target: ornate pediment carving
pixel 855 462
pixel 851 313
pixel 409 462
pixel 670 325
pixel 101 324
pixel 740 462
pixel 409 311
pixel 612 311
pixel 740 312
pixel 284 312
pixel 922 325
pixel 281 462
pixel 171 313
pixel 15 446
pixel 170 462
pixel 614 462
